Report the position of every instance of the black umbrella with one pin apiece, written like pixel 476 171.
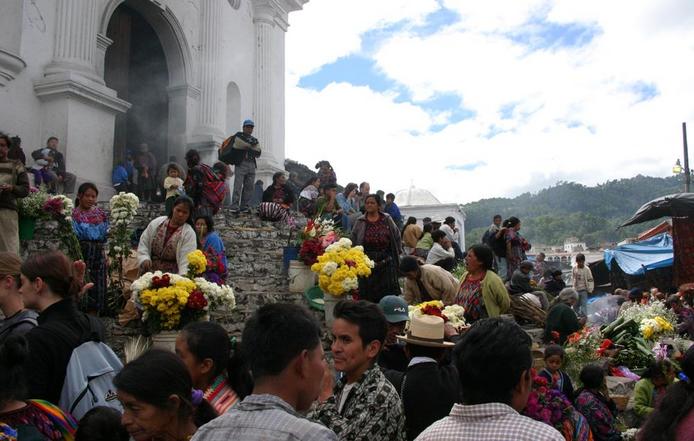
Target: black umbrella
pixel 674 205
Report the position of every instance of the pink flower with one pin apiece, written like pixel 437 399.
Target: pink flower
pixel 328 239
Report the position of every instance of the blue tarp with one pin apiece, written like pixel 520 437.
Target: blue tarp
pixel 639 257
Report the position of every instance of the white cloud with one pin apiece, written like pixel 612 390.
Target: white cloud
pixel 329 29
pixel 576 115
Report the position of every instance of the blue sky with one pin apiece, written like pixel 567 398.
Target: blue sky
pixel 445 93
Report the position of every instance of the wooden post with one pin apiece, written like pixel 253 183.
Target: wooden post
pixel 687 176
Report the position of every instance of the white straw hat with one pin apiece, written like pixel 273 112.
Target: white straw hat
pixel 426 330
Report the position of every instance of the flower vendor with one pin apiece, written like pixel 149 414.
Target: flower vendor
pixel 561 318
pixel 211 244
pixel 594 403
pixel 380 237
pixel 277 199
pixel 673 418
pixel 14 183
pixel 650 389
pixel 214 364
pixel 427 282
pixel 482 293
pixel 91 228
pixel 167 240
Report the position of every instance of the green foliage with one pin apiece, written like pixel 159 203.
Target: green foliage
pixel 568 209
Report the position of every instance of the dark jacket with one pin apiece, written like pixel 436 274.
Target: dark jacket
pixel 61 329
pixel 393 357
pixel 13 172
pixel 554 287
pixel 269 193
pixel 562 319
pixel 17 154
pixel 520 283
pixel 429 391
pixel 567 387
pixel 58 165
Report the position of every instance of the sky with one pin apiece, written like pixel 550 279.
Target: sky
pixel 474 99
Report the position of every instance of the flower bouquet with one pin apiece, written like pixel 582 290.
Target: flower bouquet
pixel 452 314
pixel 123 210
pixel 581 348
pixel 654 320
pixel 340 266
pixel 32 205
pixel 551 407
pixel 169 301
pixel 59 208
pixel 315 238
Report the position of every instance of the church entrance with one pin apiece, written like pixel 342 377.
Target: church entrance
pixel 136 68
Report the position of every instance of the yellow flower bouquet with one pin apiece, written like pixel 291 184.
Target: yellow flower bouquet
pixel 170 301
pixel 340 266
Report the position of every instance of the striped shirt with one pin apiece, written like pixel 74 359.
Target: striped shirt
pixel 263 418
pixel 488 422
pixel 220 395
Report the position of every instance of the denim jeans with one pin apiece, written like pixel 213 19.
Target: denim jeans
pixel 244 183
pixel 581 307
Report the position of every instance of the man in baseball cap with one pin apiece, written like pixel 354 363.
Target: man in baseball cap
pixel 393 354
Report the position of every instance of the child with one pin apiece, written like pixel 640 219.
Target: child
pixel 556 378
pixel 40 170
pixel 583 284
pixel 174 187
pixel 594 403
pixel 90 224
pixel 101 424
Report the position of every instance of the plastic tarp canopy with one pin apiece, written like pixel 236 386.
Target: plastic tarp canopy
pixel 639 257
pixel 674 205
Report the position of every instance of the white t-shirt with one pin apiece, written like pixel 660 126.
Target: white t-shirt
pixel 344 395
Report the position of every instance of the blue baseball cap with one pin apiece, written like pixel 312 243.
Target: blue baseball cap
pixel 394 308
pixel 248 122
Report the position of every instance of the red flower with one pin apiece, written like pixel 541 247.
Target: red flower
pixel 606 344
pixel 433 310
pixel 555 337
pixel 196 300
pixel 310 250
pixel 161 282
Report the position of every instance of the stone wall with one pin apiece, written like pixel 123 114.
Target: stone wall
pixel 254 249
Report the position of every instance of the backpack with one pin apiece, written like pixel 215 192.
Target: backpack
pixel 214 188
pixel 226 152
pixel 498 245
pixel 89 376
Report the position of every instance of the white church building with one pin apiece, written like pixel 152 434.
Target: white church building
pixel 106 75
pixel 420 203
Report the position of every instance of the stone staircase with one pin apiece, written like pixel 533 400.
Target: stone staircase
pixel 254 251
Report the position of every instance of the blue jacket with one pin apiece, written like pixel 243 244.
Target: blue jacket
pixel 120 175
pixel 394 212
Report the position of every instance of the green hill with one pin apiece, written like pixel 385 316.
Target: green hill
pixel 568 209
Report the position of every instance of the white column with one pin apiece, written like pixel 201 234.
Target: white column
pixel 75 38
pixel 210 116
pixel 264 24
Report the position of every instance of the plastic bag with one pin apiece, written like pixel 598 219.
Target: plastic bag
pixel 603 310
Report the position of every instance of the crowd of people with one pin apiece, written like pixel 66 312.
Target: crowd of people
pixel 387 376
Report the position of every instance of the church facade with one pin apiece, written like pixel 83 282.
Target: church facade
pixel 105 76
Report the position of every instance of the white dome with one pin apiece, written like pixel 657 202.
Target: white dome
pixel 415 196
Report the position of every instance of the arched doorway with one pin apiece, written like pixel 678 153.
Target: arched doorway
pixel 136 68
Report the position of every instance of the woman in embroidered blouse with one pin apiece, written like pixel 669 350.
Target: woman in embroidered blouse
pixel 380 237
pixel 214 364
pixel 594 403
pixel 482 293
pixel 211 244
pixel 167 240
pixel 308 196
pixel 36 417
pixel 516 245
pixel 90 224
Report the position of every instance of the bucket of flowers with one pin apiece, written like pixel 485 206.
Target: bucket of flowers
pixel 339 268
pixel 168 302
pixel 315 238
pixel 451 314
pixel 30 208
pixel 654 320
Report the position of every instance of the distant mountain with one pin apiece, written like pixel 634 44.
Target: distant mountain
pixel 568 209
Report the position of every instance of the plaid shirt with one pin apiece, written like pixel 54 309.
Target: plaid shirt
pixel 263 418
pixel 373 410
pixel 488 422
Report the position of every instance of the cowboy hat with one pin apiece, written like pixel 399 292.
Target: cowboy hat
pixel 426 330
